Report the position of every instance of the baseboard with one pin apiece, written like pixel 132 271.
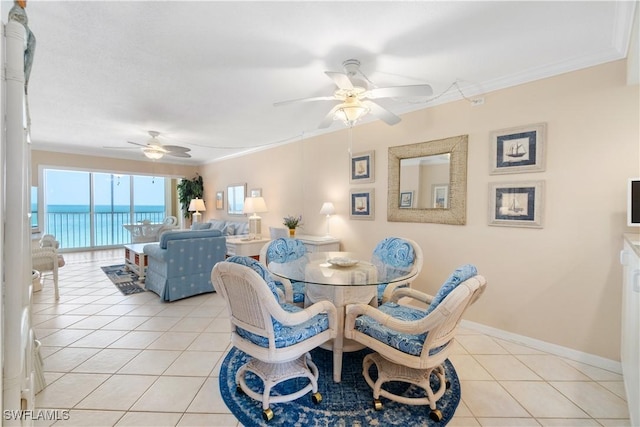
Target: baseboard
pixel 569 353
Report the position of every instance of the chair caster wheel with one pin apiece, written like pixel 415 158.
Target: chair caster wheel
pixel 267 414
pixel 316 397
pixel 239 389
pixel 377 404
pixel 436 415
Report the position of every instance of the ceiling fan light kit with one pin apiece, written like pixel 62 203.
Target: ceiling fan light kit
pixel 153 153
pixel 355 91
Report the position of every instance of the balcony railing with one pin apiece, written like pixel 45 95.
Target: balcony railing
pixel 74 229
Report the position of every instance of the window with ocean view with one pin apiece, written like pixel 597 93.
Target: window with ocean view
pixel 89 209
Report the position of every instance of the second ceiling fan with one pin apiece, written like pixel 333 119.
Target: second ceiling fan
pixel 355 93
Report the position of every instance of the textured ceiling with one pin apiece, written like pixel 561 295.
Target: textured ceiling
pixel 206 74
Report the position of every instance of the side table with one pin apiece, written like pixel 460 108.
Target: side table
pixel 245 247
pixel 319 243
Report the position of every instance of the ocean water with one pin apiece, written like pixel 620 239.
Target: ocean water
pixel 72 225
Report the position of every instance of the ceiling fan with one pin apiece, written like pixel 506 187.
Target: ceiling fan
pixel 155 151
pixel 355 93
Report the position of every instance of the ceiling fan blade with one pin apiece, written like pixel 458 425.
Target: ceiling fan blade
pixel 382 113
pixel 135 143
pixel 178 154
pixel 399 91
pixel 176 148
pixel 340 79
pixel 329 118
pixel 315 98
pixel 119 148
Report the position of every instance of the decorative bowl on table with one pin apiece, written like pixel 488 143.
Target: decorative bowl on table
pixel 342 262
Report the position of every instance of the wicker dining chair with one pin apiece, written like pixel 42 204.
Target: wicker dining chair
pixel 278 336
pixel 411 343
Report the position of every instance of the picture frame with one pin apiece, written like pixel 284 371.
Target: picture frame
pixel 516 204
pixel 440 196
pixel 219 200
pixel 362 167
pixel 519 149
pixel 255 192
pixel 362 203
pixel 406 199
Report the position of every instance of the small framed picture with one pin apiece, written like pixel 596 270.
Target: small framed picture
pixel 516 204
pixel 440 196
pixel 406 199
pixel 362 204
pixel 519 149
pixel 219 200
pixel 255 192
pixel 362 169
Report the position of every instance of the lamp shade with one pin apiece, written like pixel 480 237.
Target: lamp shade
pixel 197 205
pixel 327 209
pixel 254 205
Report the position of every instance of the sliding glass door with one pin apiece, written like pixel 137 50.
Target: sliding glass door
pixel 89 209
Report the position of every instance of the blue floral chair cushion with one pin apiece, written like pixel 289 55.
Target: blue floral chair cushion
pixel 286 336
pixel 258 268
pixel 461 274
pixel 407 343
pixel 286 250
pixel 393 253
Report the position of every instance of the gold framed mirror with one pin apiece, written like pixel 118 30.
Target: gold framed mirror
pixel 428 182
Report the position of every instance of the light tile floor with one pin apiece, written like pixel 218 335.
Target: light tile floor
pixel 116 360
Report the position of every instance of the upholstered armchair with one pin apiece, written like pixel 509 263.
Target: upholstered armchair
pixel 285 250
pixel 46 259
pixel 278 336
pixel 395 253
pixel 411 343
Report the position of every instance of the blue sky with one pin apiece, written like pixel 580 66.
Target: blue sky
pixel 72 188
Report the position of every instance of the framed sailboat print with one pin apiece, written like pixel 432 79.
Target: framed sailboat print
pixel 516 204
pixel 362 203
pixel 519 149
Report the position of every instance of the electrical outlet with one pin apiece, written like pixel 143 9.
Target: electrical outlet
pixel 477 101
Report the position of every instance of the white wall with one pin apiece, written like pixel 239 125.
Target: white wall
pixel 560 284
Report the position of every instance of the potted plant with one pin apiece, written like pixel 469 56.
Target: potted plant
pixel 291 222
pixel 189 189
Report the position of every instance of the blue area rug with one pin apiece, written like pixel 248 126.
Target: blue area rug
pixel 125 280
pixel 348 403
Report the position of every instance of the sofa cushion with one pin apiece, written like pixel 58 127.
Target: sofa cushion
pixel 201 226
pixel 188 234
pixel 218 224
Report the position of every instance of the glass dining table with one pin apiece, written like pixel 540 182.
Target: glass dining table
pixel 342 278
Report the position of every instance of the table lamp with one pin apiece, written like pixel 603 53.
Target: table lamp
pixel 196 205
pixel 254 205
pixel 327 209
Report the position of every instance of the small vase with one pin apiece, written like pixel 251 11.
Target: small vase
pixel 292 232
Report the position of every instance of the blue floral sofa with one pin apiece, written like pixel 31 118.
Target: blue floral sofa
pixel 179 266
